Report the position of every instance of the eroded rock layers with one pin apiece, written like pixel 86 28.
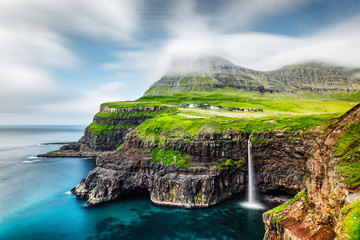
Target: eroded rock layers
pixel 329 205
pixel 204 182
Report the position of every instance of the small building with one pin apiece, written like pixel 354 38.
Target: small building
pixel 203 105
pixel 233 109
pixel 185 104
pixel 191 105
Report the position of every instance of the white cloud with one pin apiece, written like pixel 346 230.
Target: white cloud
pixel 116 19
pixel 335 45
pixel 36 38
pixel 86 102
pixel 241 14
pixel 191 34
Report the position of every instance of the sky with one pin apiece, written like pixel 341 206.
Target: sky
pixel 59 60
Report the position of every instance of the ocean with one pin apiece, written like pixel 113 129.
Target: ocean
pixel 35 202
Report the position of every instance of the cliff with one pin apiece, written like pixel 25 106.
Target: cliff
pixel 214 169
pixel 108 129
pixel 329 205
pixel 197 157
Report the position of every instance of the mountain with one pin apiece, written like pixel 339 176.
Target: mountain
pixel 211 73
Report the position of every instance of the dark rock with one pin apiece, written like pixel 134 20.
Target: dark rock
pixel 121 172
pixel 279 163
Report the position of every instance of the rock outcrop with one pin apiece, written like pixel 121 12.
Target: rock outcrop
pixel 107 131
pixel 129 169
pixel 328 199
pixel 205 182
pixel 280 160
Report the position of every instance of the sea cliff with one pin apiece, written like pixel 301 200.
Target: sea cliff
pixel 329 205
pixel 200 169
pixel 214 169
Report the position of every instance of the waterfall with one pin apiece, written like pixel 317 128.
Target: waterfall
pixel 251 188
pixel 251 203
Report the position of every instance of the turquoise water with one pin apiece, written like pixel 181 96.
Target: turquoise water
pixel 35 203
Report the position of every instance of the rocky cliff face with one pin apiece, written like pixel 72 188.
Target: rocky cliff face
pixel 206 182
pixel 107 131
pixel 280 159
pixel 114 124
pixel 130 169
pixel 329 206
pixel 317 77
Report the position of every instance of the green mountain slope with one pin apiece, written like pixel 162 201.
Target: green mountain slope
pixel 213 73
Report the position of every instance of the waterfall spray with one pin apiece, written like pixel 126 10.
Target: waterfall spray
pixel 251 203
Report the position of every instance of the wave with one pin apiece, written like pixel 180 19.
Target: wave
pixel 68 193
pixel 33 157
pixel 33 161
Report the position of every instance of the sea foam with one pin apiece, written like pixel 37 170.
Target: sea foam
pixel 32 161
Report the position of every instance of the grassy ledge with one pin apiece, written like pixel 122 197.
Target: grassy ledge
pixel 164 110
pixel 103 129
pixel 224 163
pixel 130 104
pixel 169 157
pixel 281 207
pixel 348 148
pixel 350 227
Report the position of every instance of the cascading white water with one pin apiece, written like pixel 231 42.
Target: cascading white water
pixel 251 188
pixel 251 203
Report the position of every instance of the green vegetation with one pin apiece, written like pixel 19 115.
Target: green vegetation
pixel 350 227
pixel 348 148
pixel 304 102
pixel 204 80
pixel 103 129
pixel 224 162
pixel 178 125
pixel 165 110
pixel 275 219
pixel 185 80
pixel 121 146
pixel 169 157
pixel 258 141
pixel 158 89
pixel 287 111
pixel 286 204
pixel 129 104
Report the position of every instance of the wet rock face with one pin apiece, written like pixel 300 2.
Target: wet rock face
pixel 279 157
pixel 124 171
pixel 280 160
pixel 207 147
pixel 105 142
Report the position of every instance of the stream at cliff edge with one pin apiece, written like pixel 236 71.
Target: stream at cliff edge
pixel 35 204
